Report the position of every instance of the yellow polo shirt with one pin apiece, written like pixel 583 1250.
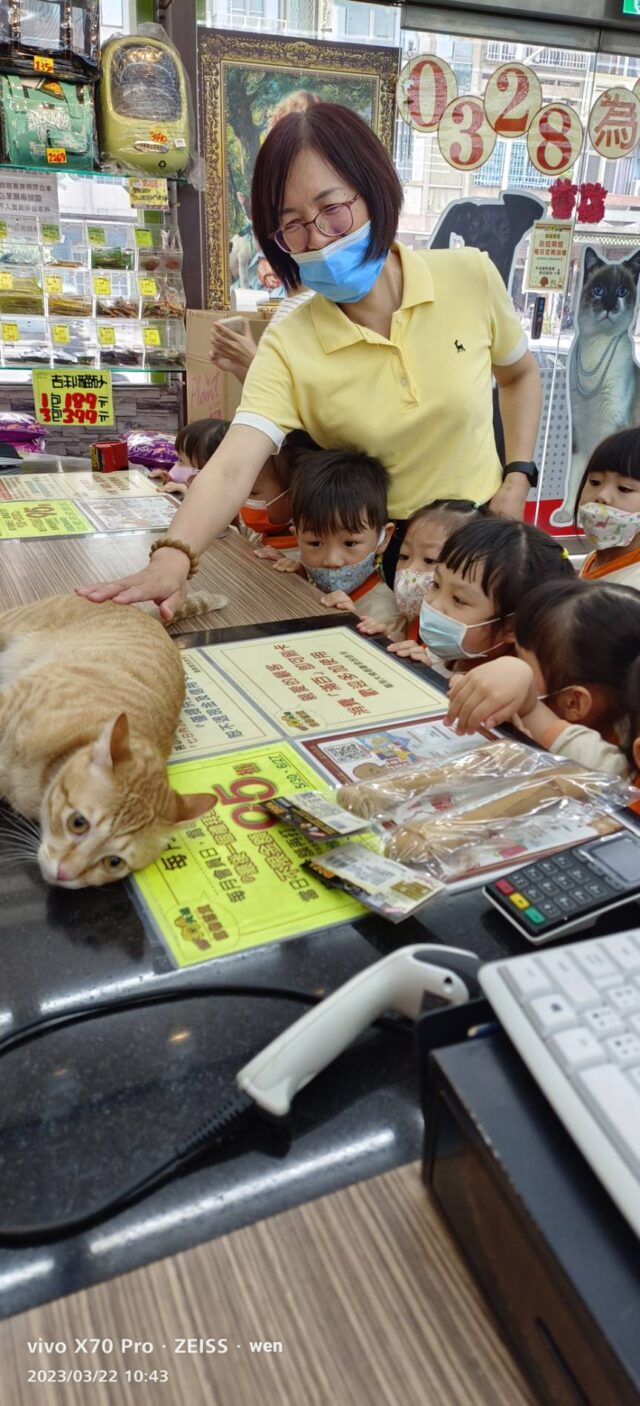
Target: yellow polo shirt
pixel 421 401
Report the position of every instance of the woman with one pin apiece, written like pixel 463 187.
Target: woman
pixel 393 356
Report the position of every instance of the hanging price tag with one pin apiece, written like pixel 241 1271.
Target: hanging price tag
pixel 96 234
pixel 144 239
pixel 102 285
pixel 151 336
pixel 56 156
pixel 6 280
pixel 10 332
pixel 60 333
pixel 3 229
pixel 149 193
pixel 53 283
pixel 107 336
pixel 43 63
pixel 50 234
pixel 148 287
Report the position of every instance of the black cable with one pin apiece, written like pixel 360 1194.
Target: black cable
pixel 216 1133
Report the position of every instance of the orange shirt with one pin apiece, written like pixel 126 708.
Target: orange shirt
pixel 593 573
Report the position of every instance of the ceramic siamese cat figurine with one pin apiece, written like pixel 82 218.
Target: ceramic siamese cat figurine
pixel 604 381
pixel 89 702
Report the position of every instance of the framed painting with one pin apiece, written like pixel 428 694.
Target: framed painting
pixel 247 82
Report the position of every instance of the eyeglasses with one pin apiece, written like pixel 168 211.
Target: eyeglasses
pixel 331 222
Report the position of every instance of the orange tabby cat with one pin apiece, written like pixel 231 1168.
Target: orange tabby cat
pixel 89 702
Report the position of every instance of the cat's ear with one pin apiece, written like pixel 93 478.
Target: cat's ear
pixel 112 743
pixel 182 809
pixel 633 265
pixel 591 261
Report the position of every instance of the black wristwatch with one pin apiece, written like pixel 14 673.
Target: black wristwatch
pixel 522 466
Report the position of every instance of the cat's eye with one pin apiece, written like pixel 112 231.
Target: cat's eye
pixel 621 291
pixel 598 290
pixel 112 861
pixel 77 824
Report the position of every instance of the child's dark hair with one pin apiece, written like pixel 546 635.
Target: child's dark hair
pixel 582 632
pixel 514 558
pixel 451 509
pixel 199 439
pixel 633 704
pixel 618 454
pixel 335 490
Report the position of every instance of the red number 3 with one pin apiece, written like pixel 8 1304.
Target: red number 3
pixel 465 117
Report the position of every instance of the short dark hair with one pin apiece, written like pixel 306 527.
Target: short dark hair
pixel 514 556
pixel 633 703
pixel 451 509
pixel 334 489
pixel 348 144
pixel 581 632
pixel 619 453
pixel 199 440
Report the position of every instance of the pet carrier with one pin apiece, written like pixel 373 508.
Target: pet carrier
pixel 61 37
pixel 144 106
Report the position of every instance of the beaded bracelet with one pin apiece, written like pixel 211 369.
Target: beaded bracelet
pixel 180 547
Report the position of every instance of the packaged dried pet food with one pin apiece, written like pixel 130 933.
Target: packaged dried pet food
pixel 116 295
pixel 62 242
pixel 111 246
pixel 14 427
pixel 478 771
pixel 68 291
pixel 15 252
pixel 73 341
pixel 119 342
pixel 161 297
pixel 155 451
pixel 165 344
pixel 158 250
pixel 456 847
pixel 25 341
pixel 21 292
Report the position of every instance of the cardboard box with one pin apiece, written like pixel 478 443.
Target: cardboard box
pixel 210 391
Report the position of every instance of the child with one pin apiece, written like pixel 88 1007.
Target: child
pixel 484 571
pixel 195 443
pixel 424 537
pixel 339 511
pixel 608 510
pixel 576 644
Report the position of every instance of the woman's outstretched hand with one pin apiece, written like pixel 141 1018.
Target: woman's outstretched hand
pixel 163 581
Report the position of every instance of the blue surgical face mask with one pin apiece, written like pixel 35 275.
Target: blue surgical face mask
pixel 444 636
pixel 344 578
pixel 341 271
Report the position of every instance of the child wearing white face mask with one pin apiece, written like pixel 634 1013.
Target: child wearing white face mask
pixel 425 535
pixel 608 510
pixel 339 512
pixel 485 569
pixel 568 688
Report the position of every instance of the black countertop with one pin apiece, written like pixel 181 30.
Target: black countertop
pixel 97 1105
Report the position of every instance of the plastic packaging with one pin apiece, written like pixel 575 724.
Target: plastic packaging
pixel 66 32
pixel 165 344
pixel 158 250
pixel 155 451
pixel 68 292
pixel 15 428
pixel 144 104
pixel 15 252
pixel 119 342
pixel 47 124
pixel 457 847
pixel 63 243
pixel 111 246
pixel 25 341
pixel 116 295
pixel 73 341
pixel 161 296
pixel 21 292
pixel 465 777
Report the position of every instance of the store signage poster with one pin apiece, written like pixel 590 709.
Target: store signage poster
pixel 549 251
pixel 73 398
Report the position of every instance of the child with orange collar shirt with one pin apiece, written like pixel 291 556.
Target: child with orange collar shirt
pixel 339 513
pixel 568 688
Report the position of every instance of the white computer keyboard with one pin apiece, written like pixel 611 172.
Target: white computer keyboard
pixel 573 1014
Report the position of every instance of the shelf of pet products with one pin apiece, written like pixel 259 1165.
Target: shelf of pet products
pixel 92 173
pixel 81 293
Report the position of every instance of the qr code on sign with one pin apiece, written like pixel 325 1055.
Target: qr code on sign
pixel 346 752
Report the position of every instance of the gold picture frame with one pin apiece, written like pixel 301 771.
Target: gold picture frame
pixel 243 78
